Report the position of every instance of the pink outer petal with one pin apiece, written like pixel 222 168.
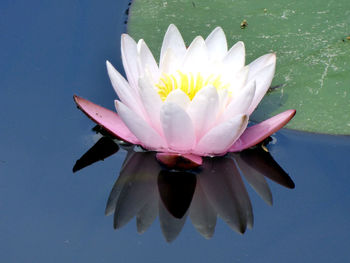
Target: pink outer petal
pixel 259 132
pixel 107 119
pixel 175 160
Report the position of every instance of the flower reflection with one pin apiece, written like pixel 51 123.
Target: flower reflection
pixel 146 189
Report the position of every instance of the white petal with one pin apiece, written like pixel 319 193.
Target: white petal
pixel 129 58
pixel 235 58
pixel 146 60
pixel 260 63
pixel 263 81
pixel 223 99
pixel 151 102
pixel 172 40
pixel 170 63
pixel 219 139
pixel 196 57
pixel 238 81
pixel 149 138
pixel 216 44
pixel 177 127
pixel 240 103
pixel 178 97
pixel 204 109
pixel 123 90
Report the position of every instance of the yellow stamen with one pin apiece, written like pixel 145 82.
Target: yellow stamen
pixel 189 83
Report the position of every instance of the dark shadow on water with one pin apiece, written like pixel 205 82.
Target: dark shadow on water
pixel 146 189
pixel 176 189
pixel 102 149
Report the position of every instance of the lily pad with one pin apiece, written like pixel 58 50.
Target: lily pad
pixel 310 39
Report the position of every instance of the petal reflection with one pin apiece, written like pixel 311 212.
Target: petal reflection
pixel 226 192
pixel 147 214
pixel 170 225
pixel 261 161
pixel 147 188
pixel 255 179
pixel 133 188
pixel 202 213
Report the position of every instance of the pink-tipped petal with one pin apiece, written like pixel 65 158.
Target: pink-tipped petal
pixel 259 132
pixel 217 44
pixel 175 160
pixel 108 119
pixel 148 137
pixel 219 139
pixel 177 127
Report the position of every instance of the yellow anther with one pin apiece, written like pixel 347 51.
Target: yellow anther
pixel 189 83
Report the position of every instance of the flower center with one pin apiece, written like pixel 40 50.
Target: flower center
pixel 189 83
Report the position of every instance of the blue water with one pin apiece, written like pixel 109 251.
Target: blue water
pixel 52 50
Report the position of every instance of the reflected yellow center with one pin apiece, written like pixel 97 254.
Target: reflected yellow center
pixel 189 83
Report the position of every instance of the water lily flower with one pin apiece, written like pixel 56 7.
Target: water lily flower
pixel 195 102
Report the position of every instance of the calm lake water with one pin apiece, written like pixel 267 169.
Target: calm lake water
pixel 52 50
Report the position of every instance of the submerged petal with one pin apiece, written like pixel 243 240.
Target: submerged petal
pixel 259 132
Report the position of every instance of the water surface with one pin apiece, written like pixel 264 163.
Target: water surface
pixel 53 50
